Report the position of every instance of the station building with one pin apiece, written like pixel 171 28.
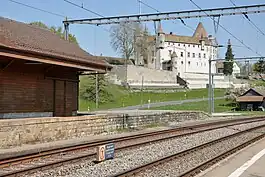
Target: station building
pixel 39 71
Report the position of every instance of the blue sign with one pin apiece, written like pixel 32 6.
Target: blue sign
pixel 109 151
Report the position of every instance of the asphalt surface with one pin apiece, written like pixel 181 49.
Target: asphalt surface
pixel 160 104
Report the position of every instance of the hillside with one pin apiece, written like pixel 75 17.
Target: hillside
pixel 121 97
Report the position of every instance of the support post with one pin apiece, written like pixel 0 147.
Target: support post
pixel 126 72
pixel 212 93
pixel 210 87
pixel 97 90
pixel 66 31
pixel 142 87
pixel 140 7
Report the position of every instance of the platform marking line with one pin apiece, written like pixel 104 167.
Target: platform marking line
pixel 246 165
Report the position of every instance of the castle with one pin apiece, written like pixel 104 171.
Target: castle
pixel 174 60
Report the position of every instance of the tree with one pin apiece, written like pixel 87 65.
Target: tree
pixel 122 39
pixel 88 91
pixel 229 60
pixel 57 30
pixel 126 37
pixel 259 67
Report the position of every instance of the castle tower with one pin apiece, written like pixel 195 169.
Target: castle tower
pixel 160 45
pixel 173 62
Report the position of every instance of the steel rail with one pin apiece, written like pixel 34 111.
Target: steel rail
pixel 14 159
pixel 192 172
pixel 130 137
pixel 90 155
pixel 203 166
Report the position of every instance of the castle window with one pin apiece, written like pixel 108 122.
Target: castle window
pixel 184 45
pixel 181 62
pixel 197 63
pixel 199 55
pixel 204 55
pixel 189 62
pixel 201 64
pixel 193 45
pixel 193 55
pixel 188 54
pixel 178 44
pixel 189 45
pixel 181 54
pixel 204 64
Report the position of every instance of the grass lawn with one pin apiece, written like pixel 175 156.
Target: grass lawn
pixel 123 97
pixel 219 106
pixel 257 83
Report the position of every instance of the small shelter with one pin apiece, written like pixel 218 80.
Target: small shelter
pixel 39 71
pixel 252 99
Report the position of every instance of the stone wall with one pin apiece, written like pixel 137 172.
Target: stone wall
pixel 16 132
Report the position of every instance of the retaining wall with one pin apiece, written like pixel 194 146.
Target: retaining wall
pixel 16 132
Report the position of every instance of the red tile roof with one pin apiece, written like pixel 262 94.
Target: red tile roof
pixel 30 38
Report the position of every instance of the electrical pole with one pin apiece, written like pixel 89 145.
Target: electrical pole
pixel 140 7
pixel 142 87
pixel 210 86
pixel 212 93
pixel 126 70
pixel 66 30
pixel 97 97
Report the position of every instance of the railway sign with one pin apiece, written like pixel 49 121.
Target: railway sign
pixel 109 151
pixel 105 152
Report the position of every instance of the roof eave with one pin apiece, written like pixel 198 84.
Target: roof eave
pixel 57 59
pixel 54 61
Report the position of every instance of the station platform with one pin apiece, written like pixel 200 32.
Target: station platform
pixel 249 162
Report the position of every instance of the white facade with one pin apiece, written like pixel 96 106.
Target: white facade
pixel 193 52
pixel 236 69
pixel 190 57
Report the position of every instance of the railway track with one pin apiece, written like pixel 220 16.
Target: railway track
pixel 30 163
pixel 143 170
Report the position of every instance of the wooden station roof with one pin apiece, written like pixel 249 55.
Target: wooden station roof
pixel 33 43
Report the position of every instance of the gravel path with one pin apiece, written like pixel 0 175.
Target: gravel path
pixel 134 157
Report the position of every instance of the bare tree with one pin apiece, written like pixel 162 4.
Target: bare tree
pixel 122 39
pixel 127 38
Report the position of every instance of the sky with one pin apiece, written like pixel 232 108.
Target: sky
pixel 96 40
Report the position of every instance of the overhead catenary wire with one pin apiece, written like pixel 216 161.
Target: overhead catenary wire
pixel 95 13
pixel 219 24
pixel 83 7
pixel 36 8
pixel 151 7
pixel 249 20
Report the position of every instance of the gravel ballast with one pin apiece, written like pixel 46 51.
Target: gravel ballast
pixel 189 161
pixel 131 158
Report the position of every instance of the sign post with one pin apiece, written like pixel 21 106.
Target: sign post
pixel 105 152
pixel 101 153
